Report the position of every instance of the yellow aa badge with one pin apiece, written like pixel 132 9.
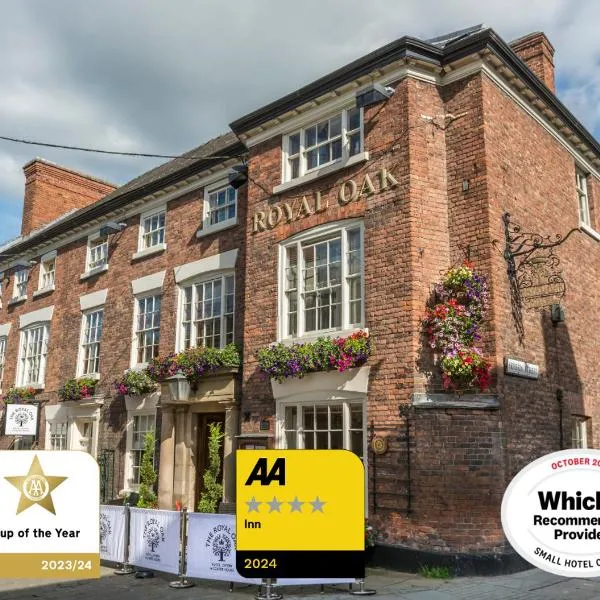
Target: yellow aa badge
pixel 300 514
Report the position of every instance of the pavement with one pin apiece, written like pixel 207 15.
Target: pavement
pixel 528 585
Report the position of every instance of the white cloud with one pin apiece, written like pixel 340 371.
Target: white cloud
pixel 160 76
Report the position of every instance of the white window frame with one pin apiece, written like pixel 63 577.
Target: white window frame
pixel 281 441
pixel 130 486
pixel 3 344
pixel 47 277
pixel 52 435
pixel 25 332
pixel 81 354
pixel 92 239
pixel 208 191
pixel 21 279
pixel 583 198
pixel 157 293
pixel 143 248
pixel 345 133
pixel 180 337
pixel 318 233
pixel 579 437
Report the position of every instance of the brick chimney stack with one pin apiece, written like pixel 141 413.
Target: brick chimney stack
pixel 52 190
pixel 536 51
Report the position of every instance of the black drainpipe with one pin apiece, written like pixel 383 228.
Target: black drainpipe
pixel 559 398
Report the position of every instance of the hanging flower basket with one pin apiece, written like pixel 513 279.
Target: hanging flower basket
pixel 452 327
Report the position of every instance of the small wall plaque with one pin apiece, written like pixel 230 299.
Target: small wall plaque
pixel 519 368
pixel 379 445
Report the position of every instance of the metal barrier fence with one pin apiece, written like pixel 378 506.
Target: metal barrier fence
pixel 189 545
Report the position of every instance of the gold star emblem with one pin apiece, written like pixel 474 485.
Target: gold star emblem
pixel 35 487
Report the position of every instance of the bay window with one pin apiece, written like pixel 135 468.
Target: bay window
pixel 319 144
pixel 207 312
pixel 322 280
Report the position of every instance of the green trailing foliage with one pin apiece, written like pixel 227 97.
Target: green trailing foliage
pixel 147 498
pixel 194 363
pixel 74 390
pixel 213 490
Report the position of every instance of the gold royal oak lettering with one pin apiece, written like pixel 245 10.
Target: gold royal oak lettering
pixel 349 191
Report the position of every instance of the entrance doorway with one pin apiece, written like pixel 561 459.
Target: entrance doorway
pixel 204 420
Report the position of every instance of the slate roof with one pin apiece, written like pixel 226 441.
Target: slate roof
pixel 194 161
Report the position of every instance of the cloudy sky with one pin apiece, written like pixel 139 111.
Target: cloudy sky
pixel 163 76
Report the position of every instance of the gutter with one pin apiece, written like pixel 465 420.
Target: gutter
pixel 405 47
pixel 408 47
pixel 84 215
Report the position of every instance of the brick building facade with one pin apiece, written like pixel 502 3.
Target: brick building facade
pixel 372 192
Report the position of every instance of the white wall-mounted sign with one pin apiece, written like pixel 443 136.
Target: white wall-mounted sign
pixel 21 419
pixel 519 368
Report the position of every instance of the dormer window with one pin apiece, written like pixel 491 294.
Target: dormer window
pixel 325 142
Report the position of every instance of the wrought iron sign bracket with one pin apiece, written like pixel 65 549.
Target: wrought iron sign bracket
pixel 526 244
pixel 532 267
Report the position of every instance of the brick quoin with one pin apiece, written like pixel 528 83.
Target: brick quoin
pixel 465 147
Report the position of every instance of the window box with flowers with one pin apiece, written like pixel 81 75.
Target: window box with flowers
pixel 135 383
pixel 453 330
pixel 184 371
pixel 76 390
pixel 19 395
pixel 342 359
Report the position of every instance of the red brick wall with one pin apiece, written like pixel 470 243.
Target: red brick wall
pixel 412 234
pixel 536 51
pixel 532 176
pixel 51 190
pixel 184 216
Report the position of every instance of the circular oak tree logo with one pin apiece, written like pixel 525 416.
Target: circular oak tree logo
pixel 154 534
pixel 105 529
pixel 222 546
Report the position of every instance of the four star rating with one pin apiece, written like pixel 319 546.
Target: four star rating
pixel 275 505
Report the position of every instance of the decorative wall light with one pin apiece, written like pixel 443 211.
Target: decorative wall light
pixel 238 176
pixel 111 227
pixel 372 94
